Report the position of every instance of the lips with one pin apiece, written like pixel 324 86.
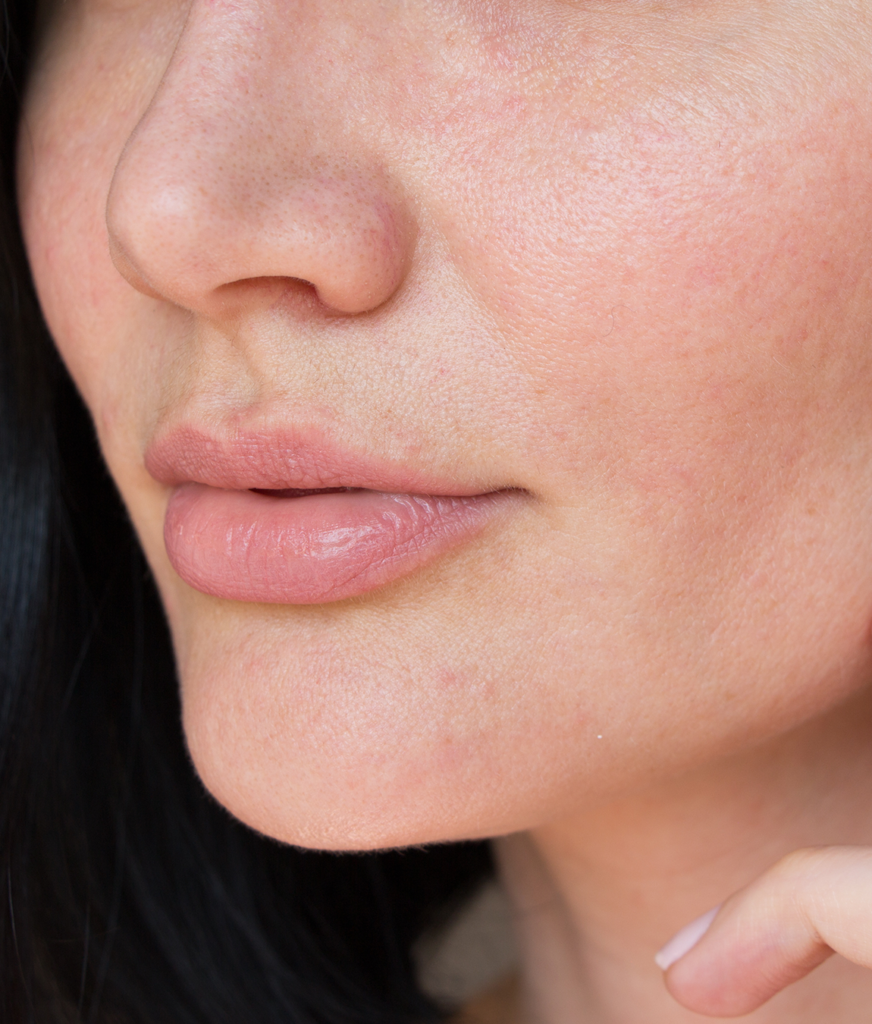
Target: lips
pixel 289 519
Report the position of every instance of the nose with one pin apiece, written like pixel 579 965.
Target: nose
pixel 237 174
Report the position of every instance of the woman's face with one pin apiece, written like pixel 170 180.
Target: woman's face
pixel 578 291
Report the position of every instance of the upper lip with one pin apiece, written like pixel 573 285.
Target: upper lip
pixel 284 459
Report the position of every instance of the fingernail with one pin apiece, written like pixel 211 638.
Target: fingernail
pixel 684 941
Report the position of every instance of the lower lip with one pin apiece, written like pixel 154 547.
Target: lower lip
pixel 247 546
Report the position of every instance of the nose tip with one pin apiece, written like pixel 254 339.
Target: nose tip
pixel 182 229
pixel 199 202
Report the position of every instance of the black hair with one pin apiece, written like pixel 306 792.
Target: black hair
pixel 127 895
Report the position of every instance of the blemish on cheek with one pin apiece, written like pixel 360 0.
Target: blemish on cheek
pixel 449 679
pixel 452 756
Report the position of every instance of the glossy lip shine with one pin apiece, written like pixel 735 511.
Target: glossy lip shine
pixel 227 538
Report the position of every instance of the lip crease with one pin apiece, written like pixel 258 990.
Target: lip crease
pixel 283 517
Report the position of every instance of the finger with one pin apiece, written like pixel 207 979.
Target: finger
pixel 808 906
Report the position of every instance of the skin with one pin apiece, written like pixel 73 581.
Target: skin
pixel 612 255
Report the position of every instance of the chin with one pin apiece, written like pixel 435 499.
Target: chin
pixel 324 806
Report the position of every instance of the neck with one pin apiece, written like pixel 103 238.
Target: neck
pixel 598 892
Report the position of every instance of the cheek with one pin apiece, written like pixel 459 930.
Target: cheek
pixel 676 302
pixel 67 246
pixel 92 83
pixel 110 338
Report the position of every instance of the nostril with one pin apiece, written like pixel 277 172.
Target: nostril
pixel 285 292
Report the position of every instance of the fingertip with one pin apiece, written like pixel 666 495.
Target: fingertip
pixel 738 969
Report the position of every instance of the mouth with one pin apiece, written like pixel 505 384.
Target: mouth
pixel 306 544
